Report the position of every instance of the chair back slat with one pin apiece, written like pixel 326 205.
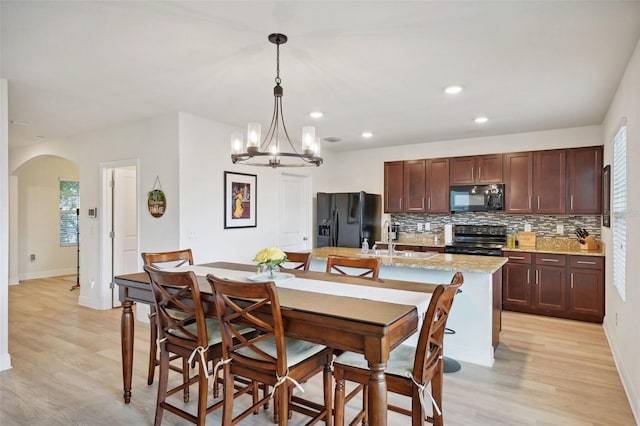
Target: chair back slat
pixel 301 259
pixel 168 259
pixel 429 350
pixel 368 267
pixel 178 304
pixel 254 305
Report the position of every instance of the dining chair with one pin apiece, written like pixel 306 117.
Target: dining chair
pixel 267 357
pixel 163 260
pixel 191 335
pixel 368 267
pixel 301 259
pixel 409 369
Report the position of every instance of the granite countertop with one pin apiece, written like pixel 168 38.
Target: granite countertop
pixel 543 245
pixel 435 261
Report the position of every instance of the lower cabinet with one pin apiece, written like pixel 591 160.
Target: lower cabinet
pixel 554 285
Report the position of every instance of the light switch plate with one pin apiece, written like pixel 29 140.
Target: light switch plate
pixel 527 227
pixel 427 226
pixel 419 226
pixel 560 229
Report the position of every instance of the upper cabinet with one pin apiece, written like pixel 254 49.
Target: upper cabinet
pixel 549 181
pixel 518 182
pixel 414 186
pixel 393 186
pixel 476 169
pixel 437 185
pixel 585 180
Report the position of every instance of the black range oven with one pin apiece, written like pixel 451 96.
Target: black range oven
pixel 483 240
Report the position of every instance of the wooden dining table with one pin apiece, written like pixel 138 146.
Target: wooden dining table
pixel 369 327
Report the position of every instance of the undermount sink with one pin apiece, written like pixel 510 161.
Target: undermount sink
pixel 403 253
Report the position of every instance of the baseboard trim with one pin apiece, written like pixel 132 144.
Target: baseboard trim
pixel 46 274
pixel 627 385
pixel 5 362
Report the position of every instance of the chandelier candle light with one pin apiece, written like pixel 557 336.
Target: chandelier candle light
pixel 270 146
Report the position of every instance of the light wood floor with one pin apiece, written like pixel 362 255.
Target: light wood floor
pixel 67 371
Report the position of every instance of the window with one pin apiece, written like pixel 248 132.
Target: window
pixel 619 209
pixel 69 203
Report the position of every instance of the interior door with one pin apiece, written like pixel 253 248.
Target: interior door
pixel 295 212
pixel 124 224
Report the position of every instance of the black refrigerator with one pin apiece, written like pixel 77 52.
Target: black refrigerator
pixel 345 219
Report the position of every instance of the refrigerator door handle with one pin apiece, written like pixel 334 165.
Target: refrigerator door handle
pixel 336 229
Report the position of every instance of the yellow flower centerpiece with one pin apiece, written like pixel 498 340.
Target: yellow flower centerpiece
pixel 268 260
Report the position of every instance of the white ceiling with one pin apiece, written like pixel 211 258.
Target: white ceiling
pixel 368 65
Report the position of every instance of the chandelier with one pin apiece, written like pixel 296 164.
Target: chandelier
pixel 273 150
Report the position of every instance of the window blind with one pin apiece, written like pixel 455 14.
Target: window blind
pixel 619 209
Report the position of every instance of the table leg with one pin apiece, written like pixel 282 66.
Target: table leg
pixel 377 395
pixel 126 336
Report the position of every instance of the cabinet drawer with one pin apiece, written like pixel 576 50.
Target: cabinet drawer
pixel 586 262
pixel 551 259
pixel 517 256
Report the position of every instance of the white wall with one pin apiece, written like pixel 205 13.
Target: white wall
pixel 204 157
pixel 5 358
pixel 154 144
pixel 622 321
pixel 38 218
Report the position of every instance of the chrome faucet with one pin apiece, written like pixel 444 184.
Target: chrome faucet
pixel 387 230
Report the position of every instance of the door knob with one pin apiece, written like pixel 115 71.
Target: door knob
pixel 304 238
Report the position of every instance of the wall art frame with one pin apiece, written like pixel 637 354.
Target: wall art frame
pixel 240 200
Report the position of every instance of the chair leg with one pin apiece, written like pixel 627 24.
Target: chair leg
pixel 417 412
pixel 153 346
pixel 203 391
pixel 185 378
pixel 162 386
pixel 228 391
pixel 283 403
pixel 436 392
pixel 365 405
pixel 339 397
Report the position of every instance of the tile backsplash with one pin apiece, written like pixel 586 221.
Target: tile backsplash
pixel 544 226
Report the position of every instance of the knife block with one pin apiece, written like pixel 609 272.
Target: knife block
pixel 589 244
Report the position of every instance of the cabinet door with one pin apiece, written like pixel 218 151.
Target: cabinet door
pixel 549 179
pixel 489 168
pixel 516 281
pixel 462 170
pixel 414 186
pixel 586 292
pixel 585 180
pixel 437 185
pixel 518 182
pixel 549 291
pixel 393 186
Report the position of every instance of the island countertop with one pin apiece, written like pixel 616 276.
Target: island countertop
pixel 436 261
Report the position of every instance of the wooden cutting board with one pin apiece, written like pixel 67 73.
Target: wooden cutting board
pixel 526 239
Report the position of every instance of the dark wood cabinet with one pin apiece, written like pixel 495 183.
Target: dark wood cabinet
pixel 393 186
pixel 518 182
pixel 555 285
pixel 516 280
pixel 414 186
pixel 550 283
pixel 586 287
pixel 476 169
pixel 437 185
pixel 549 182
pixel 584 180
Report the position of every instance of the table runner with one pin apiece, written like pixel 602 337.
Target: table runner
pixel 404 297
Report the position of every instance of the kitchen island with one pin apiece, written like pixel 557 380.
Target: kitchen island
pixel 476 312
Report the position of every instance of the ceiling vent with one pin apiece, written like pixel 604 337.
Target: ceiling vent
pixel 332 139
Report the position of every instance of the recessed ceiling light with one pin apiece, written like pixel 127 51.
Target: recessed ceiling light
pixel 316 114
pixel 481 120
pixel 453 90
pixel 367 134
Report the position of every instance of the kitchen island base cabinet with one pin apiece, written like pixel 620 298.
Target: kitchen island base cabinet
pixel 546 284
pixel 475 315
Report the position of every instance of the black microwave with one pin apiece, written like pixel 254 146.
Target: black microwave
pixel 477 198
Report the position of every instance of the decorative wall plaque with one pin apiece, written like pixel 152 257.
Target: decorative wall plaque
pixel 156 200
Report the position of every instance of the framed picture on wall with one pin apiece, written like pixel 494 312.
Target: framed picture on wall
pixel 606 196
pixel 239 200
